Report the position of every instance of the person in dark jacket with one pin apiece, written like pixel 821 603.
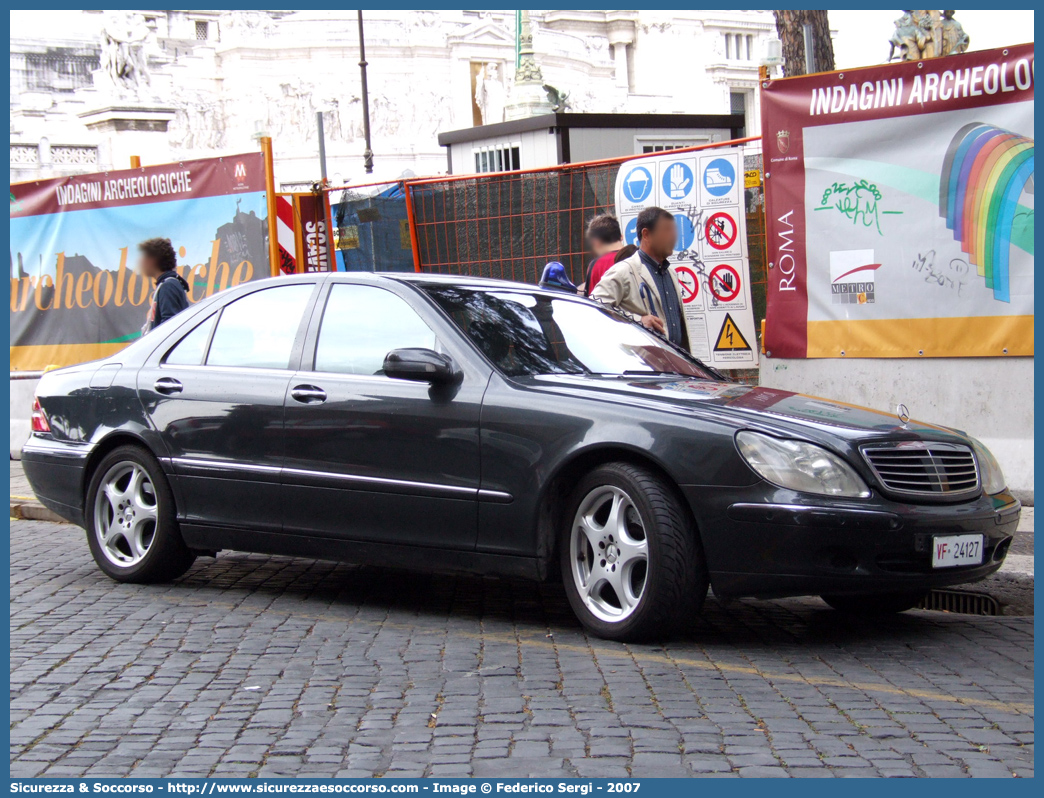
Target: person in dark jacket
pixel 158 262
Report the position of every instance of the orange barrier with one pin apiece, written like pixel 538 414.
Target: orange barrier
pixel 510 224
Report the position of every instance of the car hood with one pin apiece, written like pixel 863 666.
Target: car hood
pixel 759 406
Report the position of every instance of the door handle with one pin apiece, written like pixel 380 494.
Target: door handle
pixel 308 394
pixel 168 386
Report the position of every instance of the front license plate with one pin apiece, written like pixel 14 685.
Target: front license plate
pixel 952 550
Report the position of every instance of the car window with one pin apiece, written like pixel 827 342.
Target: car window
pixel 525 333
pixel 258 330
pixel 189 350
pixel 361 324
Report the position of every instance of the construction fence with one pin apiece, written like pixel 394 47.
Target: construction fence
pixel 507 225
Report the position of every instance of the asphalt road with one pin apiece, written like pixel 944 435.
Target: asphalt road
pixel 269 666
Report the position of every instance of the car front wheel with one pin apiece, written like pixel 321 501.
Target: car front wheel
pixel 631 559
pixel 132 526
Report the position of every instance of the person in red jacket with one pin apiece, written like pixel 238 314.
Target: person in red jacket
pixel 605 239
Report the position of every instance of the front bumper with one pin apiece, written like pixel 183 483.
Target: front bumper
pixel 55 471
pixel 768 542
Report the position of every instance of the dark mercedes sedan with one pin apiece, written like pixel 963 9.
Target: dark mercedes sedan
pixel 465 424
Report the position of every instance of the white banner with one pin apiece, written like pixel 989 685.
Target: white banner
pixel 900 208
pixel 704 191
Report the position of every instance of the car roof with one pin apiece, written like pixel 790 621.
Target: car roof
pixel 461 280
pixel 420 279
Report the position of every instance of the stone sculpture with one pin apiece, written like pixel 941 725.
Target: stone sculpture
pixel 123 52
pixel 926 34
pixel 954 39
pixel 490 94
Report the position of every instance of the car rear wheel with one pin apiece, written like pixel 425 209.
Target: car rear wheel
pixel 631 559
pixel 875 603
pixel 132 526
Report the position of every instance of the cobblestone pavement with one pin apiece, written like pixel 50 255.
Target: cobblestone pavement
pixel 271 666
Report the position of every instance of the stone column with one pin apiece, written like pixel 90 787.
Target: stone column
pixel 527 97
pixel 621 35
pixel 46 162
pixel 130 129
pixel 620 61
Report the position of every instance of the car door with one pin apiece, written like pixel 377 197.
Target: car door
pixel 216 399
pixel 369 457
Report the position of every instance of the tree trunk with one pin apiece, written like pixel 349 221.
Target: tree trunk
pixel 790 26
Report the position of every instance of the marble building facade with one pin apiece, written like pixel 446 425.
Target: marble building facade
pixel 89 89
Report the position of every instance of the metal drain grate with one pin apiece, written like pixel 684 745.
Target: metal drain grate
pixel 961 601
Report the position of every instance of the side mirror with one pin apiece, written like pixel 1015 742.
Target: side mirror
pixel 422 365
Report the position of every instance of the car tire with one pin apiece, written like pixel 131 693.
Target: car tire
pixel 131 521
pixel 875 603
pixel 627 533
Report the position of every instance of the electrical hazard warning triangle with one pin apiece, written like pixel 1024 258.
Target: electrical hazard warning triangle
pixel 730 339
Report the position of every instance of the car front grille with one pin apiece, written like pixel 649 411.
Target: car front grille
pixel 920 468
pixel 962 601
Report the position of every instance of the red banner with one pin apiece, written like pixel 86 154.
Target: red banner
pixel 855 165
pixel 210 177
pixel 313 237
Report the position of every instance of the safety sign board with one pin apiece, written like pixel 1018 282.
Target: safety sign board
pixel 704 192
pixel 635 188
pixel 719 183
pixel 721 230
pixel 690 283
pixel 686 233
pixel 677 183
pixel 630 229
pixel 731 343
pixel 719 176
pixel 724 282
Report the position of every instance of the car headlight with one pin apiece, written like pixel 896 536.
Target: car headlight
pixel 989 469
pixel 800 466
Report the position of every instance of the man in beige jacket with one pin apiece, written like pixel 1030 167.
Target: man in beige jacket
pixel 644 285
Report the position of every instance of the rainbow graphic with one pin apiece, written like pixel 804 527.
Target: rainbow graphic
pixel 985 171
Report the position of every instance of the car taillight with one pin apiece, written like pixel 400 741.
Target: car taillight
pixel 39 419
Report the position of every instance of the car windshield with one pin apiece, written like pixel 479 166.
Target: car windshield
pixel 525 333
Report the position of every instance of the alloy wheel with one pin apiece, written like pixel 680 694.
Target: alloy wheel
pixel 609 553
pixel 125 513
